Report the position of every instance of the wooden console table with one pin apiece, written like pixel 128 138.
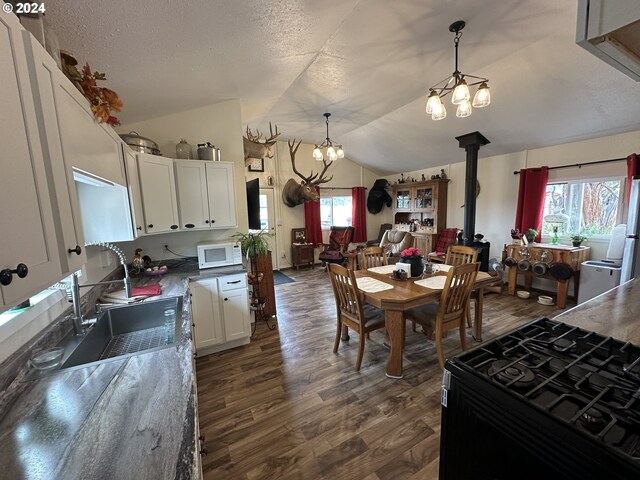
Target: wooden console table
pixel 573 256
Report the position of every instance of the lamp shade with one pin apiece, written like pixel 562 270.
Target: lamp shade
pixel 439 112
pixel 482 98
pixel 464 109
pixel 460 93
pixel 433 101
pixel 317 154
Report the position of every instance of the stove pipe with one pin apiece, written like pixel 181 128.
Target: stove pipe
pixel 471 142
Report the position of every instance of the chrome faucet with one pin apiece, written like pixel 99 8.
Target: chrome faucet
pixel 79 324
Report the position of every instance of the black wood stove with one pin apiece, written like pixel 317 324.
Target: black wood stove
pixel 547 401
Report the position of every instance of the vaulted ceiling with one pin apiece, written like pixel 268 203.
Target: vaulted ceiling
pixel 368 62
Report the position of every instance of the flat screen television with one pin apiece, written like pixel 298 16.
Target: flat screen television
pixel 253 204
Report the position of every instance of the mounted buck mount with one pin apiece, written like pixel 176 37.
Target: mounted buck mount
pixel 295 193
pixel 254 148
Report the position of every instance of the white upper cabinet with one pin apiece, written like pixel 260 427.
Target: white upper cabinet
pixel 206 194
pixel 26 217
pixel 157 182
pixel 135 195
pixel 44 71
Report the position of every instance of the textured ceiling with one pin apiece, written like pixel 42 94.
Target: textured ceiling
pixel 368 62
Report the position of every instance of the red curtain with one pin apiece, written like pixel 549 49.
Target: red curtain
pixel 633 170
pixel 533 186
pixel 312 221
pixel 359 213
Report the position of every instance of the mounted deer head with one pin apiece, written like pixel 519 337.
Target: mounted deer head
pixel 295 193
pixel 254 148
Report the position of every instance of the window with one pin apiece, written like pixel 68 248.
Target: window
pixel 335 210
pixel 593 207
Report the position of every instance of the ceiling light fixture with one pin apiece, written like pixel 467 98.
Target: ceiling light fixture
pixel 458 87
pixel 332 152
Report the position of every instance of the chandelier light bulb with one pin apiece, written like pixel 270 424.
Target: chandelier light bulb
pixel 432 102
pixel 331 152
pixel 439 112
pixel 340 152
pixel 482 98
pixel 464 109
pixel 317 154
pixel 460 93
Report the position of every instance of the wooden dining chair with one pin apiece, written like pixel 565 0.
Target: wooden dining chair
pixel 373 257
pixel 350 311
pixel 450 312
pixel 459 254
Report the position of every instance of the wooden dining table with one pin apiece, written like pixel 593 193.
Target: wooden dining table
pixel 405 295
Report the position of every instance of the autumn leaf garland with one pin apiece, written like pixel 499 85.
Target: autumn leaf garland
pixel 103 100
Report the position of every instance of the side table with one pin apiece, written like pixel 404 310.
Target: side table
pixel 303 254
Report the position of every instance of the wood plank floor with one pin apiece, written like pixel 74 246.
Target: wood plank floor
pixel 286 407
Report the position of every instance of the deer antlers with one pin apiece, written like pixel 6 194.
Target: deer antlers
pixel 256 138
pixel 311 179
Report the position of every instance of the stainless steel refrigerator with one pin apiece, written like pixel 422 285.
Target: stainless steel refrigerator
pixel 631 256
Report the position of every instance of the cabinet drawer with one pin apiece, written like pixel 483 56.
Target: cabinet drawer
pixel 232 282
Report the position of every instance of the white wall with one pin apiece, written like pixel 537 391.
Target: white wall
pixel 345 174
pixel 219 124
pixel 497 202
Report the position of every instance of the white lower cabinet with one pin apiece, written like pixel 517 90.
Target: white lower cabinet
pixel 220 310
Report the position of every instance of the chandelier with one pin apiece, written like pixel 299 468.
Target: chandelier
pixel 458 87
pixel 327 148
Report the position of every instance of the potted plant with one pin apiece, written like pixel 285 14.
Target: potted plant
pixel 413 257
pixel 577 239
pixel 531 235
pixel 253 244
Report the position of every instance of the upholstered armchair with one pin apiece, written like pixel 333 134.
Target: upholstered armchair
pixel 339 240
pixel 447 237
pixel 394 242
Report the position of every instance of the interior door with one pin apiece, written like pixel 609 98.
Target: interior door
pixel 268 221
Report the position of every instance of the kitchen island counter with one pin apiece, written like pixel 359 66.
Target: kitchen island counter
pixel 126 418
pixel 615 313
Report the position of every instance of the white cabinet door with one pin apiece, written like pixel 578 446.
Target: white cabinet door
pixel 88 145
pixel 44 74
pixel 158 185
pixel 235 310
pixel 222 197
pixel 135 196
pixel 205 309
pixel 193 205
pixel 28 232
pixel 235 306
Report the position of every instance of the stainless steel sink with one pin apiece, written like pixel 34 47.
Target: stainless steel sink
pixel 127 330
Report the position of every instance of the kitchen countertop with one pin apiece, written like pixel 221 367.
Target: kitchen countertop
pixel 614 314
pixel 122 419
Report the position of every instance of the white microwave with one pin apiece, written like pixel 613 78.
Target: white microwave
pixel 218 254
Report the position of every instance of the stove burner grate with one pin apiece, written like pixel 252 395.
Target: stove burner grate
pixel 513 374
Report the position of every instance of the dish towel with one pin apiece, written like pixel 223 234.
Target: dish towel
pixel 434 283
pixel 383 269
pixel 371 285
pixel 149 290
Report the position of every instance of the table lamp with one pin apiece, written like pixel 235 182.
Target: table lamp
pixel 556 219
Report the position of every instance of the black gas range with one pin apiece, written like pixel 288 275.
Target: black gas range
pixel 548 401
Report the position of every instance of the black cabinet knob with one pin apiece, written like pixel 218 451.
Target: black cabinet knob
pixel 226 299
pixel 76 250
pixel 206 221
pixel 189 225
pixel 138 227
pixel 150 225
pixel 6 275
pixel 213 221
pixel 173 227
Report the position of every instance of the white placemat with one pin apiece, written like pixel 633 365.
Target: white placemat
pixel 435 283
pixel 441 267
pixel 383 269
pixel 371 285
